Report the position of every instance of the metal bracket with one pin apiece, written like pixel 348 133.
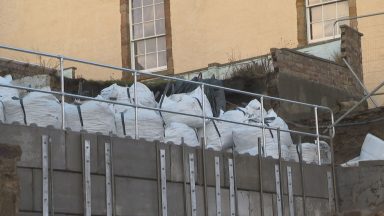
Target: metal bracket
pixel 278 191
pixel 108 178
pixel 193 184
pixel 45 173
pixel 163 175
pixel 218 187
pixel 87 177
pixel 231 188
pixel 290 192
pixel 331 197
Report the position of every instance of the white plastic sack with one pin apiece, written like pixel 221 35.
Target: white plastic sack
pixel 246 141
pixel 175 131
pixel 144 94
pixel 277 122
pixel 98 117
pixel 40 108
pixel 150 124
pixel 310 153
pixel 372 149
pixel 220 137
pixel 253 110
pixel 5 92
pixel 72 118
pixel 115 92
pixel 190 103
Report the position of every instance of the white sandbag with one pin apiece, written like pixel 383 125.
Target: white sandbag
pixel 117 93
pixel 190 103
pixel 72 117
pixel 219 133
pixel 40 108
pixel 175 131
pixel 309 153
pixel 352 163
pixel 5 92
pixel 98 117
pixel 272 120
pixel 246 141
pixel 2 115
pixel 150 124
pixel 253 110
pixel 144 94
pixel 372 149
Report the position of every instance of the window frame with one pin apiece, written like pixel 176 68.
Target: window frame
pixel 308 19
pixel 132 41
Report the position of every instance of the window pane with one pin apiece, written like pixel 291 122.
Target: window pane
pixel 150 45
pixel 162 58
pixel 160 26
pixel 317 30
pixel 147 2
pixel 159 1
pixel 342 9
pixel 311 2
pixel 139 48
pixel 136 3
pixel 316 14
pixel 139 62
pixel 329 11
pixel 137 16
pixel 137 31
pixel 149 29
pixel 159 11
pixel 148 13
pixel 151 61
pixel 328 28
pixel 161 43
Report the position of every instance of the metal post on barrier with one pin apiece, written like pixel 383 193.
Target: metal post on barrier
pixel 300 154
pixel 204 116
pixel 280 171
pixel 61 59
pixel 263 125
pixel 260 176
pixel 136 103
pixel 317 136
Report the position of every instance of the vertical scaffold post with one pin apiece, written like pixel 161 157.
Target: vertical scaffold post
pixel 263 124
pixel 61 59
pixel 317 135
pixel 260 176
pixel 136 103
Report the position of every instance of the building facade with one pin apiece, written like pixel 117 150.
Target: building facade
pixel 173 37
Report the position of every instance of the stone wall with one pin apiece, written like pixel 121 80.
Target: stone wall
pixel 136 181
pixel 19 70
pixel 9 181
pixel 351 49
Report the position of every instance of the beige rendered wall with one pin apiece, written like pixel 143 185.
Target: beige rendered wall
pixel 372 43
pixel 207 31
pixel 87 29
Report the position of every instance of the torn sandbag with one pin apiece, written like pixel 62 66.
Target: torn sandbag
pixel 253 110
pixel 175 131
pixel 189 103
pixel 150 124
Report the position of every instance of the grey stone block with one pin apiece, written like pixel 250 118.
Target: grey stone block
pixel 29 139
pixel 247 172
pixel 67 188
pixel 98 195
pixel 26 196
pixel 243 203
pixel 254 204
pixel 316 184
pixel 136 197
pixel 317 207
pixel 175 199
pixel 137 158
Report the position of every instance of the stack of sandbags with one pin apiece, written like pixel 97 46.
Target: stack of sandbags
pixel 93 116
pixel 219 133
pixel 150 124
pixel 175 131
pixel 189 103
pixel 39 108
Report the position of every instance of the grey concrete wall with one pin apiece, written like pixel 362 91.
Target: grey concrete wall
pixel 135 176
pixel 361 189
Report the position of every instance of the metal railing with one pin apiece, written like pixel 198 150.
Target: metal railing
pixel 204 117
